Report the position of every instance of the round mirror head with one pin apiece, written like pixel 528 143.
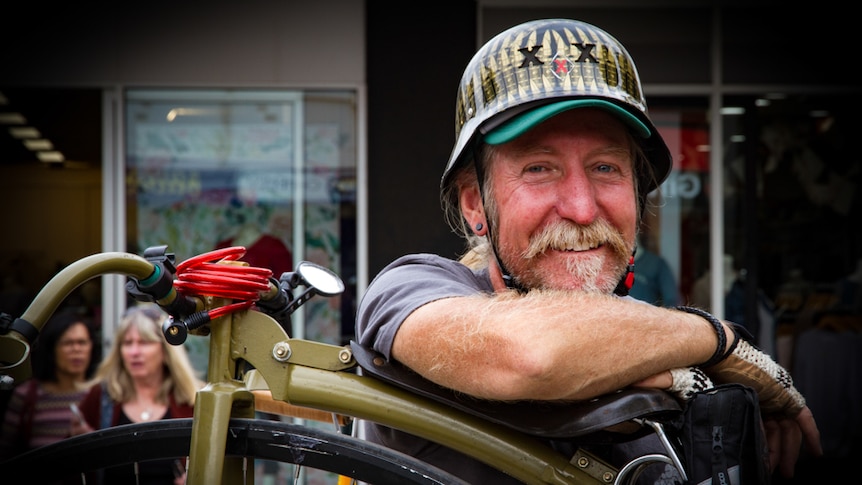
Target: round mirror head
pixel 321 279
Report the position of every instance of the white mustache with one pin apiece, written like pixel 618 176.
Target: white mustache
pixel 563 236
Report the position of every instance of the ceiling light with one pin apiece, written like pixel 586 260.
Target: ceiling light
pixel 12 118
pixel 51 157
pixel 177 112
pixel 38 144
pixel 24 132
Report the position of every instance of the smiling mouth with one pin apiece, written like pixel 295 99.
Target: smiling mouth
pixel 570 247
pixel 577 249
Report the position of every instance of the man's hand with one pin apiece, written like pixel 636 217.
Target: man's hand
pixel 749 366
pixel 784 438
pixel 682 383
pixel 787 419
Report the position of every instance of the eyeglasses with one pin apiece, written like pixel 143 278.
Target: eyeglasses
pixel 67 344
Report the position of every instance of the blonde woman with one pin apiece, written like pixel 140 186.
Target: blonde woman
pixel 142 378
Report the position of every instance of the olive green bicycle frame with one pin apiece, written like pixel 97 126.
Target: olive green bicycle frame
pixel 309 374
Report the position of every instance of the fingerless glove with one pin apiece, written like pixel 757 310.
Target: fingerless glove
pixel 745 364
pixel 687 381
pixel 750 366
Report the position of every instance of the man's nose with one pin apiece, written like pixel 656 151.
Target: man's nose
pixel 576 198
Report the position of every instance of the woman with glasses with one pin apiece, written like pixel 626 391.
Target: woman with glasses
pixel 64 357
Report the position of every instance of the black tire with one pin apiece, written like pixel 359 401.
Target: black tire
pixel 253 438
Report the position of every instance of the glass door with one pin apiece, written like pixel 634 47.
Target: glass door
pixel 271 170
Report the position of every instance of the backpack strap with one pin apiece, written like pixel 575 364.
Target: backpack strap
pixel 107 411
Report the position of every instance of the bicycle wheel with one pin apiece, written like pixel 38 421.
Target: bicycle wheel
pixel 252 438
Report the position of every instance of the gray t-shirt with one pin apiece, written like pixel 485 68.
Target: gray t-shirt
pixel 405 285
pixel 400 288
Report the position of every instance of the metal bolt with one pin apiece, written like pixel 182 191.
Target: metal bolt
pixel 608 477
pixel 281 351
pixel 583 462
pixel 345 355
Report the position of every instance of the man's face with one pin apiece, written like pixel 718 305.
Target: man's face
pixel 565 202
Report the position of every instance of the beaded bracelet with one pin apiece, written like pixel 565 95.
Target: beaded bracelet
pixel 719 354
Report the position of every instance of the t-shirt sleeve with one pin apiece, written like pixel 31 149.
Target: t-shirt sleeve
pixel 405 285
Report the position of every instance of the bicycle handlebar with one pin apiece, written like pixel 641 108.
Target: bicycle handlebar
pixel 153 277
pixel 18 334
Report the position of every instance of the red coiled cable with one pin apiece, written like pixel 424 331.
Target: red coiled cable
pixel 208 275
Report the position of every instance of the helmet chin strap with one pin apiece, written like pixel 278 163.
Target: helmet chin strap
pixel 628 280
pixel 508 279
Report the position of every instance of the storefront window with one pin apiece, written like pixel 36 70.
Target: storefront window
pixel 272 171
pixel 676 221
pixel 791 207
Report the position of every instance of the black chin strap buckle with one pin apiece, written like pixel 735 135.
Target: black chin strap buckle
pixel 512 284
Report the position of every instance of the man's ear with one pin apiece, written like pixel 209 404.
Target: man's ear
pixel 471 205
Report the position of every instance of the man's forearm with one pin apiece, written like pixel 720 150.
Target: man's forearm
pixel 548 345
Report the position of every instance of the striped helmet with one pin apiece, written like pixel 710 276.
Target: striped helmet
pixel 540 68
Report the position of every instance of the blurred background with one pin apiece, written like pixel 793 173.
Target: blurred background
pixel 319 131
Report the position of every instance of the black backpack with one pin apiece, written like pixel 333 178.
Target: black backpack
pixel 721 438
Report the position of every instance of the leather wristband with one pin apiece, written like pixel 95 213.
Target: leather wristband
pixel 720 352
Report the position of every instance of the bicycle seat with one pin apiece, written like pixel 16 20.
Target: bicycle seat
pixel 607 418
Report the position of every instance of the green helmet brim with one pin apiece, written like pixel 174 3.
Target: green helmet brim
pixel 524 122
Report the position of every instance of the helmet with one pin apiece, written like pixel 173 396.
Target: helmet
pixel 537 69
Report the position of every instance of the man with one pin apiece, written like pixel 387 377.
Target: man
pixel 554 156
pixel 654 279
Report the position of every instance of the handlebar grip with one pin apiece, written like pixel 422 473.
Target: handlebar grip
pixel 159 286
pixel 155 287
pixel 25 328
pixel 277 304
